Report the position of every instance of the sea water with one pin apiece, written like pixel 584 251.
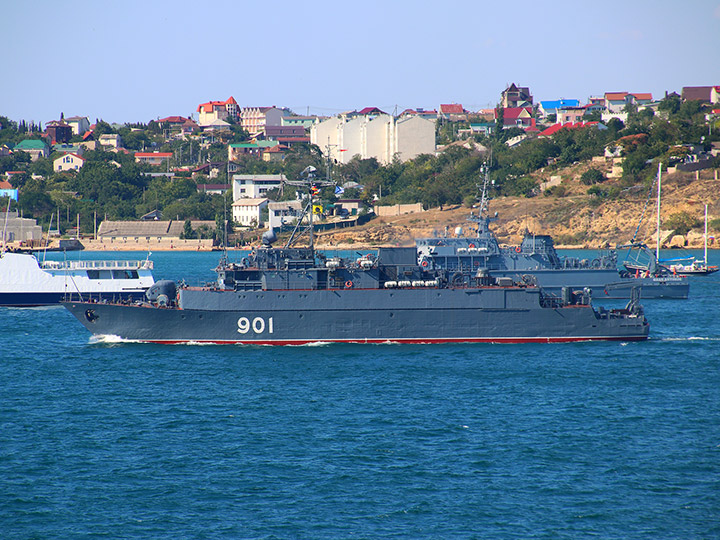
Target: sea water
pixel 123 440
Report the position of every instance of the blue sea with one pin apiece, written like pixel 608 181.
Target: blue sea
pixel 585 440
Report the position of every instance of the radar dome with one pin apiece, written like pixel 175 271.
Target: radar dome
pixel 269 237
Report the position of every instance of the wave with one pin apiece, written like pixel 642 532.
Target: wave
pixel 687 338
pixel 109 339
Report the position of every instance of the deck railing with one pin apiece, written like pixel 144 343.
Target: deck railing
pixel 97 265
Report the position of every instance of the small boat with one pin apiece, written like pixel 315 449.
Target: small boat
pixel 25 281
pixel 641 263
pixel 694 266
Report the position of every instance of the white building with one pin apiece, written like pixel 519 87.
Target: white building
pixel 255 185
pixel 247 212
pixel 382 137
pixel 68 162
pixel 254 119
pixel 79 124
pixel 112 140
pixel 284 213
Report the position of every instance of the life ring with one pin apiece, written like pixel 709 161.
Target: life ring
pixel 472 246
pixel 518 249
pixel 424 264
pixel 348 284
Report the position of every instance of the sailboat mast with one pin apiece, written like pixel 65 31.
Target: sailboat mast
pixel 657 248
pixel 705 254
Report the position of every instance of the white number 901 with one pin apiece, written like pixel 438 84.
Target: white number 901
pixel 257 325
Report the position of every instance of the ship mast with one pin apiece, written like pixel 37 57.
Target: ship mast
pixel 483 218
pixel 312 186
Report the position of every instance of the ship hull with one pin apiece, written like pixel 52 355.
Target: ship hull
pixel 35 299
pixel 356 316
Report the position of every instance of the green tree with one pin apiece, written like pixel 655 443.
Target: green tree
pixel 188 231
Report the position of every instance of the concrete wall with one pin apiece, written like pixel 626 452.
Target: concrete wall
pixel 398 209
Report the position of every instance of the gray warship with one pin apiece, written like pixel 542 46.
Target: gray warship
pixel 536 256
pixel 297 295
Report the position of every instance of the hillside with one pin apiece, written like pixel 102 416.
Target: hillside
pixel 574 220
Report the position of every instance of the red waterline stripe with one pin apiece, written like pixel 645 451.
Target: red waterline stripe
pixel 417 341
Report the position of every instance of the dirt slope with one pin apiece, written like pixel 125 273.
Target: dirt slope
pixel 575 220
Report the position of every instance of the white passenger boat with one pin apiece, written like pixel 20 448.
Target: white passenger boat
pixel 25 281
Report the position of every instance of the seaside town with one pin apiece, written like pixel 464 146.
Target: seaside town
pixel 581 170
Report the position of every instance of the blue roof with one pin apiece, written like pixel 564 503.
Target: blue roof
pixel 560 103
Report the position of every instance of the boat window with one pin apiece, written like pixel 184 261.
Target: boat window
pixel 124 274
pixel 99 274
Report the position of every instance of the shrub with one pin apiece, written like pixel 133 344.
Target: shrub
pixel 592 176
pixel 681 223
pixel 556 191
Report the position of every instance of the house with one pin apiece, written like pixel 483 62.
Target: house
pixel 235 150
pixel 217 110
pixel 428 115
pixel 296 120
pixel 213 169
pixel 174 126
pixel 349 206
pixel 247 212
pixel 547 108
pixel 705 94
pixel 552 130
pixel 153 215
pixel 283 213
pixel 78 149
pixel 482 128
pixel 570 115
pixel 79 124
pixel 7 190
pixel 453 112
pixel 19 229
pixel 111 140
pixel 153 158
pixel 216 125
pixel 254 119
pixel 172 120
pixel 516 96
pixel 213 189
pixel 5 150
pixel 615 102
pixel 275 153
pixel 518 117
pixel 68 162
pixel 369 111
pixel 189 127
pixel 58 131
pixel 276 132
pixel 35 147
pixel 255 186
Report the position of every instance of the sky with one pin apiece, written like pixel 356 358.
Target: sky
pixel 136 61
